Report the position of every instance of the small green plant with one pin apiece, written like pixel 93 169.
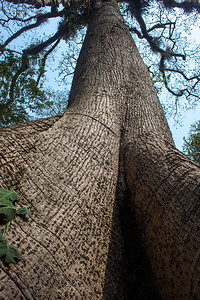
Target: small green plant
pixel 8 212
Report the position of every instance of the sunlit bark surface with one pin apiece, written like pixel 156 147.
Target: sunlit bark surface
pixel 114 205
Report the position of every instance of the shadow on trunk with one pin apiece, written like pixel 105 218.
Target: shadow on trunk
pixel 128 272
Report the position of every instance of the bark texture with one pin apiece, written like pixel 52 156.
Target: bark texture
pixel 114 204
pixel 165 189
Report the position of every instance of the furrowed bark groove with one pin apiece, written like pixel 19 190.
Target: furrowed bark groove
pixel 165 189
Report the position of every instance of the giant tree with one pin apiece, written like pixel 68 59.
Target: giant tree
pixel 115 206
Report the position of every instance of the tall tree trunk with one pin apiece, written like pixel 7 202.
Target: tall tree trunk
pixel 67 169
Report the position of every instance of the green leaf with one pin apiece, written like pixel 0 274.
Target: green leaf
pixel 8 252
pixel 23 211
pixel 7 214
pixel 3 248
pixel 9 195
pixel 12 254
pixel 5 202
pixel 1 236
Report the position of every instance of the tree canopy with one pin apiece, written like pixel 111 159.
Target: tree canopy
pixel 192 143
pixel 162 27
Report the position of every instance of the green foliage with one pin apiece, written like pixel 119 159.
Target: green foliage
pixel 59 106
pixel 8 195
pixel 191 145
pixel 8 252
pixel 23 211
pixel 28 98
pixel 76 18
pixel 158 80
pixel 120 5
pixel 8 212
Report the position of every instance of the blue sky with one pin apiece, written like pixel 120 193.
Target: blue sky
pixel 188 117
pixel 181 130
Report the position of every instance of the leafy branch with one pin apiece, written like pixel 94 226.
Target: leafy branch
pixel 24 67
pixel 8 212
pixel 43 63
pixel 72 21
pixel 161 35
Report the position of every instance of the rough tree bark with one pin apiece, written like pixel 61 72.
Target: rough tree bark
pixel 111 198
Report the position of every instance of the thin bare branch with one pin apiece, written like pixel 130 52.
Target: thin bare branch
pixel 181 73
pixel 40 20
pixel 45 58
pixel 188 6
pixel 63 30
pixel 41 3
pixel 16 18
pixel 152 41
pixel 134 29
pixel 157 26
pixel 24 67
pixel 181 91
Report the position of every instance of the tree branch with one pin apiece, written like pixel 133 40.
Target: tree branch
pixel 157 26
pixel 165 54
pixel 41 3
pixel 13 18
pixel 24 67
pixel 45 58
pixel 180 72
pixel 188 6
pixel 62 30
pixel 154 46
pixel 40 20
pixel 162 69
pixel 134 29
